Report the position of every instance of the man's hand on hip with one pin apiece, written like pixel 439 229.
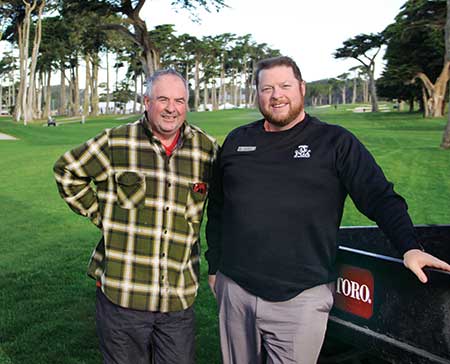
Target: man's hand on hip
pixel 212 283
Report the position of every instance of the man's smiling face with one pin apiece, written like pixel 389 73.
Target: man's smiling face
pixel 167 106
pixel 281 96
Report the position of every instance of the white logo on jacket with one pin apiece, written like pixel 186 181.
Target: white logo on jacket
pixel 302 151
pixel 246 148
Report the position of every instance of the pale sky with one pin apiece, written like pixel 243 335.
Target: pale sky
pixel 309 31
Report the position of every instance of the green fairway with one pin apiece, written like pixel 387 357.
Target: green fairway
pixel 47 301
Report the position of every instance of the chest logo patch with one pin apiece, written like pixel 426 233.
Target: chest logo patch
pixel 246 148
pixel 302 151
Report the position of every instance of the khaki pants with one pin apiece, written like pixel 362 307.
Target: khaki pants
pixel 254 331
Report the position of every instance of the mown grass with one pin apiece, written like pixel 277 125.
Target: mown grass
pixel 46 299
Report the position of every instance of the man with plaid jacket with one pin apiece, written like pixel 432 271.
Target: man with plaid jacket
pixel 151 181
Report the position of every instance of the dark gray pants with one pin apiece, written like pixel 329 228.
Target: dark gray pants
pixel 142 337
pixel 253 330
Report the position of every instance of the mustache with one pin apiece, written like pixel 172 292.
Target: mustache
pixel 169 114
pixel 279 100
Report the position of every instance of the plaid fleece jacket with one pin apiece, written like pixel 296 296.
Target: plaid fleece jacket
pixel 149 208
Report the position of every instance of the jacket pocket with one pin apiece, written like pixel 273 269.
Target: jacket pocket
pixel 195 203
pixel 130 189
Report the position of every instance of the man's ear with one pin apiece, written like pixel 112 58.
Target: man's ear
pixel 303 88
pixel 146 101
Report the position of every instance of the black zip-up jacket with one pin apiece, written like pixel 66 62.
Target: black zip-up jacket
pixel 277 202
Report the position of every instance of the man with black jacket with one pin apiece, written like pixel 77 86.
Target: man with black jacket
pixel 273 217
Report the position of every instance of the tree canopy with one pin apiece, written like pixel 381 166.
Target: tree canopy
pixel 133 26
pixel 364 48
pixel 415 46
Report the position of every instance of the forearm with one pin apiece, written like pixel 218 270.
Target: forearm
pixel 213 236
pixel 394 220
pixel 76 191
pixel 77 169
pixel 214 224
pixel 374 195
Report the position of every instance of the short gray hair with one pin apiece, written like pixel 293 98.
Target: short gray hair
pixel 163 72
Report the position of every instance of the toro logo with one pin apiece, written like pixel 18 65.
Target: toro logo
pixel 354 291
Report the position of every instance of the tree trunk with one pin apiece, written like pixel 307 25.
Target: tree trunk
pixel 141 34
pixel 48 97
pixel 373 91
pixel 135 94
pixel 411 104
pixel 246 88
pixel 343 93
pixel 426 109
pixel 70 105
pixel 239 94
pixel 437 91
pixel 37 100
pixel 13 87
pixel 29 100
pixel 214 96
pixel 253 101
pixel 366 92
pixel 108 95
pixel 155 60
pixel 76 92
pixel 222 95
pixel 44 92
pixel 354 91
pixel 62 91
pixel 87 84
pixel 10 97
pixel 4 105
pixel 116 88
pixel 23 76
pixel 234 89
pixel 197 84
pixel 94 85
pixel 73 94
pixel 205 97
pixel 141 105
pixel 251 98
pixel 446 137
pixel 23 31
